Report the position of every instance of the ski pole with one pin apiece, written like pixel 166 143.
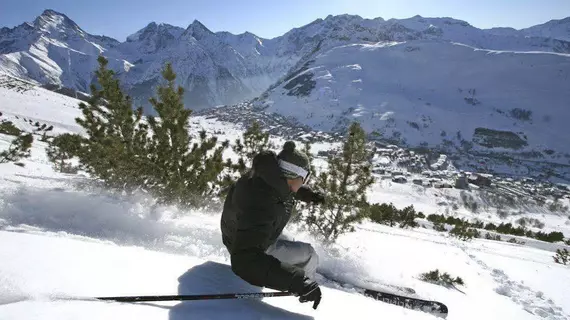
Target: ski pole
pixel 253 295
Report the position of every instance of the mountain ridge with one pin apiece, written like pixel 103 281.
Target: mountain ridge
pixel 215 68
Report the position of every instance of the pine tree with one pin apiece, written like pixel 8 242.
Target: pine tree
pixel 300 206
pixel 19 148
pixel 254 140
pixel 61 149
pixel 345 183
pixel 183 170
pixel 116 144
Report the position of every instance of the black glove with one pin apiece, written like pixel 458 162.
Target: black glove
pixel 305 194
pixel 317 197
pixel 308 291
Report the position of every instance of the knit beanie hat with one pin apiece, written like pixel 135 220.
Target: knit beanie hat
pixel 293 162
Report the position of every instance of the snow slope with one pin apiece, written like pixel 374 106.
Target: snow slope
pixel 63 242
pixel 557 29
pixel 434 93
pixel 554 29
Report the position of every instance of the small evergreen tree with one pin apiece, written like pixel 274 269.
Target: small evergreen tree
pixel 61 149
pixel 345 184
pixel 19 148
pixel 116 145
pixel 182 171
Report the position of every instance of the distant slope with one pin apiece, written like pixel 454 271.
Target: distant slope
pixel 25 104
pixel 557 29
pixel 435 93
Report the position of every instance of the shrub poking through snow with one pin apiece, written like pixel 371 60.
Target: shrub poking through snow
pixel 462 226
pixel 438 226
pixel 389 215
pixel 383 213
pixel 562 256
pixel 7 127
pixel 18 149
pixel 514 240
pixel 442 279
pixel 489 236
pixel 463 232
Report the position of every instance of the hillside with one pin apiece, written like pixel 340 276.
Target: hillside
pixel 439 95
pixel 556 29
pixel 64 241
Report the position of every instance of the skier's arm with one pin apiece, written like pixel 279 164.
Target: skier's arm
pixel 249 260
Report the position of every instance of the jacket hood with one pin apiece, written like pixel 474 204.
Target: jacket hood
pixel 266 166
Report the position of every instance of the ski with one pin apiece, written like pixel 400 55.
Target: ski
pixel 435 308
pixel 393 296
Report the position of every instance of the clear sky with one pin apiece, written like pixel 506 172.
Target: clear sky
pixel 270 18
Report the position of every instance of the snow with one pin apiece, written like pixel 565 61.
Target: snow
pixel 557 29
pixel 64 243
pixel 430 91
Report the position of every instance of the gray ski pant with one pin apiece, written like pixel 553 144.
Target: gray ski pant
pixel 295 254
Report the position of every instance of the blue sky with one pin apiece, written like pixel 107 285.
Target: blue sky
pixel 270 18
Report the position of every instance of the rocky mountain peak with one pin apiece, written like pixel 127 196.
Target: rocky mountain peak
pixel 198 30
pixel 154 30
pixel 53 21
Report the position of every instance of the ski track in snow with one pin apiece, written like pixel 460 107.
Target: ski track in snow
pixel 534 302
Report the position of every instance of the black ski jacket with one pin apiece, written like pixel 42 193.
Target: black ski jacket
pixel 256 210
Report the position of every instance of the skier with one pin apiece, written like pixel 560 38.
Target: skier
pixel 256 210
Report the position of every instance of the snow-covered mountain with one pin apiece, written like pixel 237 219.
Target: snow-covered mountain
pixel 435 93
pixel 55 50
pixel 221 68
pixel 557 29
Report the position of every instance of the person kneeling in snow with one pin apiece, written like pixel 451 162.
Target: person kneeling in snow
pixel 256 210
